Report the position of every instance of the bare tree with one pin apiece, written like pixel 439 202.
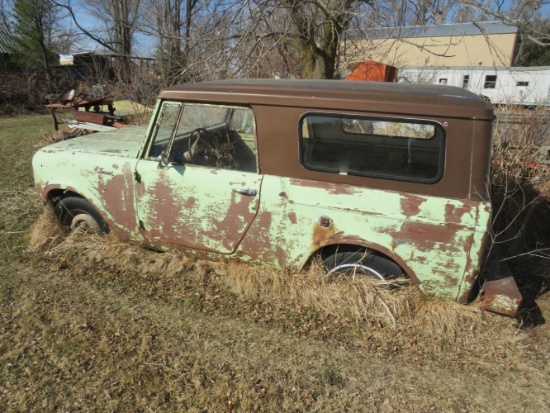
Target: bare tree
pixel 517 13
pixel 317 28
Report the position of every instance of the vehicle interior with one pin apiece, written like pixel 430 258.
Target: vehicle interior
pixel 366 147
pixel 213 136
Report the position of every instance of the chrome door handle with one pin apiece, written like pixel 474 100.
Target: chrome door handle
pixel 247 192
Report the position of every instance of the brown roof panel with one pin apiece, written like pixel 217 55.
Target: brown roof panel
pixel 374 97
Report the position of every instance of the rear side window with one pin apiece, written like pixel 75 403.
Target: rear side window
pixel 394 149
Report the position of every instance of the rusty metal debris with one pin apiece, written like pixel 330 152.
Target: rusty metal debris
pixel 500 291
pixel 85 111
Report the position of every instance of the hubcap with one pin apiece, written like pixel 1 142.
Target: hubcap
pixel 82 222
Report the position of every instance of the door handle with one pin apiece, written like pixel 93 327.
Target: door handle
pixel 247 192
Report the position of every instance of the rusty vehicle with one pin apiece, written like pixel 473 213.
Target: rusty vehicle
pixel 381 179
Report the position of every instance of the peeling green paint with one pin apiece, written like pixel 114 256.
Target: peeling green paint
pixel 275 220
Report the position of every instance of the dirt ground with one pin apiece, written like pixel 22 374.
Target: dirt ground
pixel 91 324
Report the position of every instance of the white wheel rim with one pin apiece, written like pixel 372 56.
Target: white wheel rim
pixel 81 222
pixel 341 267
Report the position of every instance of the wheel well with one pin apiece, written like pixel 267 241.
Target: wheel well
pixel 326 251
pixel 68 203
pixel 56 194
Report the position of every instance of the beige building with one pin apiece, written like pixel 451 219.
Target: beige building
pixel 462 44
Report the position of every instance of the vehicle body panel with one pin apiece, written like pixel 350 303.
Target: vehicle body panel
pixel 284 213
pixel 194 206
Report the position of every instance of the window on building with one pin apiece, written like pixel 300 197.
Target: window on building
pixel 465 81
pixel 490 82
pixel 443 81
pixel 522 83
pixel 383 148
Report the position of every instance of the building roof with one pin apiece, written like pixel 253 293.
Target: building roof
pixel 443 30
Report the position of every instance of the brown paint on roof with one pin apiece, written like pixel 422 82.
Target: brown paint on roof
pixel 396 98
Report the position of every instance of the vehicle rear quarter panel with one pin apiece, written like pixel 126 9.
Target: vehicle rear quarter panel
pixel 435 240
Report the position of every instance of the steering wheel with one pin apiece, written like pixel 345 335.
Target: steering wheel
pixel 193 147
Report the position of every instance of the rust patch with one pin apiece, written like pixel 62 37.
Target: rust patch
pixel 176 218
pixel 502 297
pixel 292 217
pixel 190 203
pixel 455 213
pixel 472 272
pixel 231 225
pixel 117 193
pixel 165 217
pixel 332 188
pixel 322 236
pixel 427 236
pixel 257 243
pixel 410 204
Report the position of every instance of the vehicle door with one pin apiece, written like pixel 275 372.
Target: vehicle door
pixel 197 182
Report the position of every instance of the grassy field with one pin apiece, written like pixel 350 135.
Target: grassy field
pixel 91 324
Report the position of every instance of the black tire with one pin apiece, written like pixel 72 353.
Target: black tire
pixel 346 261
pixel 77 214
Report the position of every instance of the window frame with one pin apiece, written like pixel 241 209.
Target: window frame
pixel 490 84
pixel 182 104
pixel 159 112
pixel 465 81
pixel 437 126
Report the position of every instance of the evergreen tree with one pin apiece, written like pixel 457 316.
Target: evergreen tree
pixel 33 35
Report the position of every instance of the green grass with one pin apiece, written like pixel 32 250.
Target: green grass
pixel 91 324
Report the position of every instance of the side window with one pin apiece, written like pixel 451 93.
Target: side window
pixel 387 148
pixel 216 136
pixel 490 82
pixel 165 123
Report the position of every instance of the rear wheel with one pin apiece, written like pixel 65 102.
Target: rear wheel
pixel 79 215
pixel 346 261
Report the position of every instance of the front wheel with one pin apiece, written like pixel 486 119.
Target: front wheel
pixel 361 262
pixel 79 215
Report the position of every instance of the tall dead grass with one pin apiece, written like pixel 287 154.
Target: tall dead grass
pixel 390 311
pixel 520 191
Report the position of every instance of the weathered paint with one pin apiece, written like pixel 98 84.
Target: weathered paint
pixel 411 229
pixel 283 219
pixel 502 296
pixel 500 292
pixel 216 217
pixel 98 167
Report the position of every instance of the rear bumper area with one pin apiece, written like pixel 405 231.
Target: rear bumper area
pixel 500 293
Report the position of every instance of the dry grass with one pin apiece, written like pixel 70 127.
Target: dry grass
pixel 92 324
pixel 389 311
pixel 521 192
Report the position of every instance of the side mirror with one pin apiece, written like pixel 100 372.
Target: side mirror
pixel 163 160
